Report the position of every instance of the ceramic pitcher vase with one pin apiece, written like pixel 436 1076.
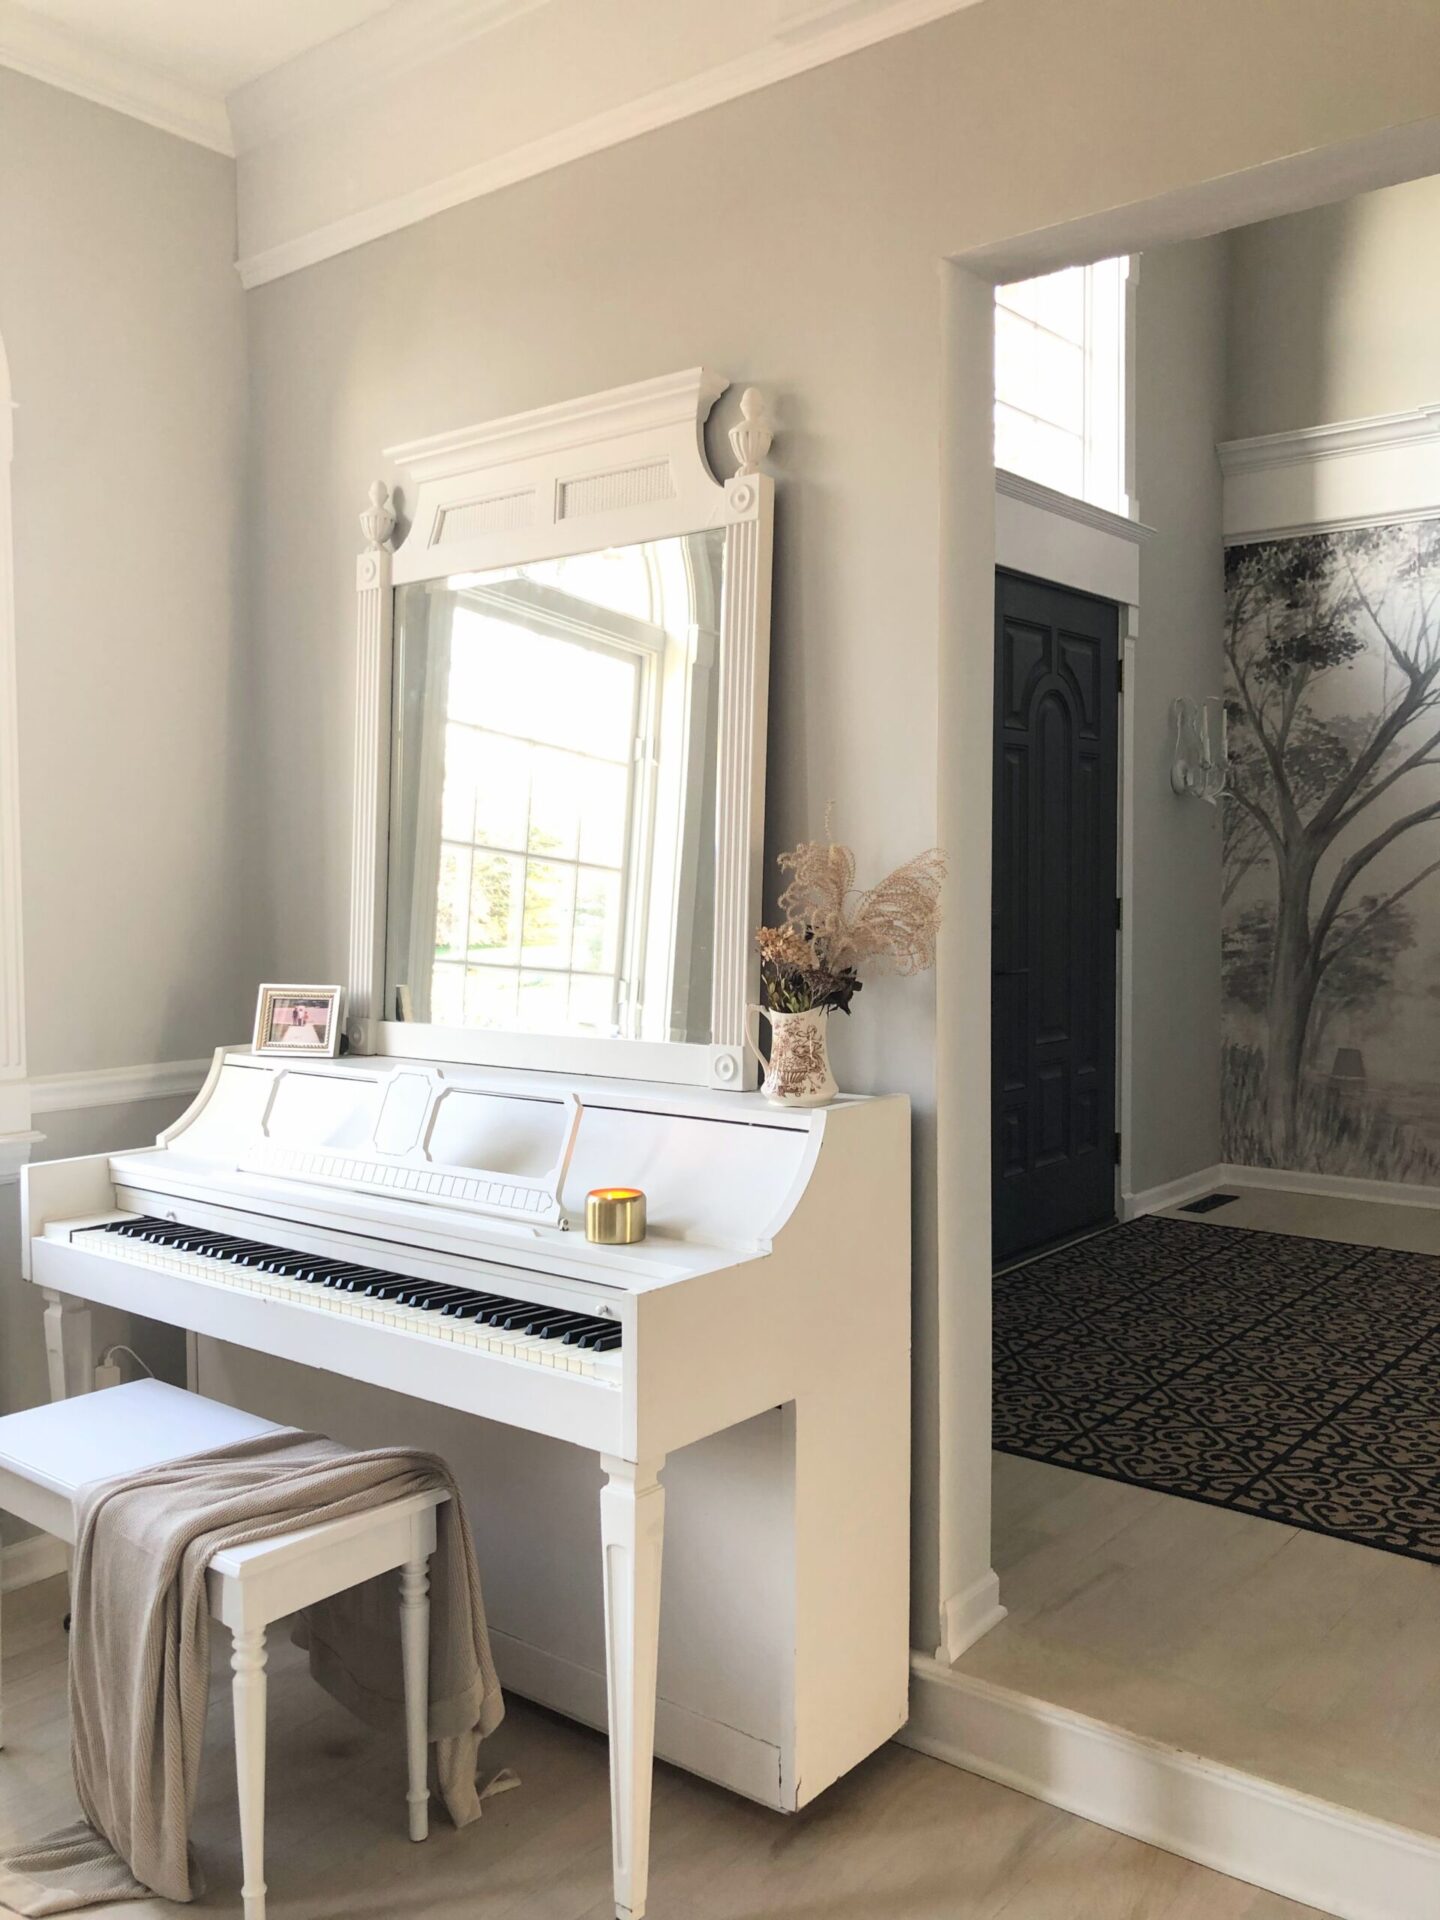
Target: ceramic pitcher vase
pixel 797 1067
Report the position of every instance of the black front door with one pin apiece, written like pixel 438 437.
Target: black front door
pixel 1053 946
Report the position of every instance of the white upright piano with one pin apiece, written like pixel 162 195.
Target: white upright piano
pixel 390 1245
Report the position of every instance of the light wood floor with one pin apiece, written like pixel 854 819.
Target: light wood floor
pixel 902 1838
pixel 1311 1661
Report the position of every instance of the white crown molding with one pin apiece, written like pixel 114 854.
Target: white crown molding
pixel 116 1086
pixel 1312 1851
pixel 34 46
pixel 1376 470
pixel 354 64
pixel 1372 433
pixel 808 40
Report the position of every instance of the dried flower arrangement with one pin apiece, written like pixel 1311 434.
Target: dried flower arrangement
pixel 813 959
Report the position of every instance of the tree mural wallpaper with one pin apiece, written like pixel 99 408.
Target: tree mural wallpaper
pixel 1331 918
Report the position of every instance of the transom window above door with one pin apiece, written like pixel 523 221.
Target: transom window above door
pixel 1061 392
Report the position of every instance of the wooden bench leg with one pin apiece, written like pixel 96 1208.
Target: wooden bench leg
pixel 247 1662
pixel 415 1650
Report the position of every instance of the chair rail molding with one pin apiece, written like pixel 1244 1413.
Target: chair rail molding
pixel 16 1136
pixel 1382 468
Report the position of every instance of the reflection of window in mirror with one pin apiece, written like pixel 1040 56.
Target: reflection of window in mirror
pixel 553 795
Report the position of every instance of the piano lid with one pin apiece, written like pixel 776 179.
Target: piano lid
pixel 476 1148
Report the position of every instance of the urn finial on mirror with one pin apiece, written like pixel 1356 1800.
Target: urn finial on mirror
pixel 377 523
pixel 751 440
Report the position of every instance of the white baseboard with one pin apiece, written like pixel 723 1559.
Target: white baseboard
pixel 1174 1193
pixel 967 1616
pixel 117 1086
pixel 36 1557
pixel 1324 1856
pixel 708 1747
pixel 1337 1186
pixel 1333 1186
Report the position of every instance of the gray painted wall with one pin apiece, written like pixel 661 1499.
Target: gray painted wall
pixel 1332 312
pixel 124 328
pixel 1180 356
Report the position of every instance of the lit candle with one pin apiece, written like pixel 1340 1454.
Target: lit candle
pixel 615 1216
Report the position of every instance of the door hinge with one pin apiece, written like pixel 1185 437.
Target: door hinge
pixel 1120 674
pixel 1117 1149
pixel 1119 913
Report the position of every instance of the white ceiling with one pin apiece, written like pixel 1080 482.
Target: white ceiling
pixel 213 46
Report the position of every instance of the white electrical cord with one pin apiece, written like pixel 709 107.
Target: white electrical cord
pixel 108 1373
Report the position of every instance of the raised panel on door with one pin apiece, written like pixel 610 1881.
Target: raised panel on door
pixel 1053 941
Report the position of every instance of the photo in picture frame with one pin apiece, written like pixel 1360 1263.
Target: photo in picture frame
pixel 299 1021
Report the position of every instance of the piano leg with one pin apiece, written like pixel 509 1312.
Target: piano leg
pixel 632 1532
pixel 69 1345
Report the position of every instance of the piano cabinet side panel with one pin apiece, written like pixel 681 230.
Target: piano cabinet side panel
pixel 61 1190
pixel 833 1298
pixel 726 1601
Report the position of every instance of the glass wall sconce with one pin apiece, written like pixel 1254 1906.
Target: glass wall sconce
pixel 1201 766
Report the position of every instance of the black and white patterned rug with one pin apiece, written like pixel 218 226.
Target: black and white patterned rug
pixel 1295 1379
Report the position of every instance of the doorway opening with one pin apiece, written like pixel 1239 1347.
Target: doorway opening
pixel 1185 1571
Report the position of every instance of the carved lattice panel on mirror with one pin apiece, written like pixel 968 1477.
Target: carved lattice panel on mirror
pixel 561 751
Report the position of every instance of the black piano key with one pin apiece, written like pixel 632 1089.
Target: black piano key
pixel 345 1275
pixel 443 1297
pixel 385 1286
pixel 414 1293
pixel 565 1324
pixel 312 1269
pixel 595 1333
pixel 472 1304
pixel 610 1342
pixel 537 1322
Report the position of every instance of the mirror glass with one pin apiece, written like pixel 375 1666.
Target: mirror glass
pixel 552 802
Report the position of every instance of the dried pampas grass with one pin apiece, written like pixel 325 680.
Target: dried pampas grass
pixel 896 922
pixel 893 924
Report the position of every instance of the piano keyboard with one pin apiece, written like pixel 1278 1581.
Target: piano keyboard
pixel 545 1336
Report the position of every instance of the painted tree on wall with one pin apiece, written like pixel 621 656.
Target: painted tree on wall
pixel 1311 776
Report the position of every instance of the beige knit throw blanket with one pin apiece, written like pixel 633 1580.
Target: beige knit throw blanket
pixel 140 1650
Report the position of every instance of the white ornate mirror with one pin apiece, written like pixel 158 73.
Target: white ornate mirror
pixel 561 742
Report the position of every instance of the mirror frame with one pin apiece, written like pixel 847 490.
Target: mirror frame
pixel 608 470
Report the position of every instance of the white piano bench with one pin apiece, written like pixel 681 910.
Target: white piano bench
pixel 48 1453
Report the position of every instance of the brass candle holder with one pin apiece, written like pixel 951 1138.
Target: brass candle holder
pixel 615 1216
